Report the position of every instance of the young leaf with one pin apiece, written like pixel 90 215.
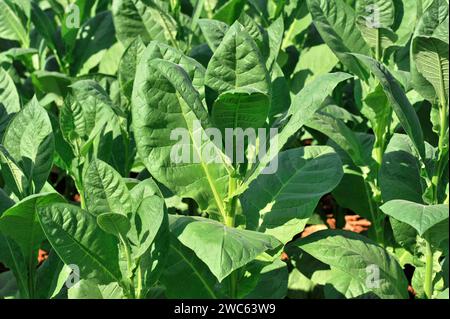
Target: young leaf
pixel 30 143
pixel 105 190
pixel 237 63
pixel 114 224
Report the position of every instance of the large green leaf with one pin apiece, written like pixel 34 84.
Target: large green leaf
pixel 133 18
pixel 194 69
pixel 87 53
pixel 20 223
pixel 214 31
pixel 237 63
pixel 221 248
pixel 186 276
pixel 280 204
pixel 352 259
pixel 9 100
pixel 11 26
pixel 336 21
pixel 431 60
pixel 230 11
pixel 399 102
pixel 342 135
pixel 303 107
pixel 421 217
pixel 128 65
pixel 30 143
pixel 105 190
pixel 164 103
pixel 399 175
pixel 78 240
pixel 433 28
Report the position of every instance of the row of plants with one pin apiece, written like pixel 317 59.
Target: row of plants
pixel 91 92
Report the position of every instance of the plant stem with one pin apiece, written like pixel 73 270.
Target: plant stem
pixel 129 266
pixel 428 282
pixel 230 222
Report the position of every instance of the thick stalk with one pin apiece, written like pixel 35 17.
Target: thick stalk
pixel 230 222
pixel 428 282
pixel 443 126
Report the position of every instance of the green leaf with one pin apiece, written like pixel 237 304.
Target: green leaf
pixel 221 248
pixel 431 60
pixel 45 26
pixel 335 20
pixel 146 223
pixel 9 100
pixel 419 216
pixel 128 65
pixel 89 289
pixel 186 276
pixel 87 51
pixel 400 103
pixel 156 113
pixel 114 224
pixel 11 28
pixel 51 277
pixel 280 204
pixel 78 240
pixel 194 69
pixel 30 143
pixel 342 135
pixel 12 174
pixel 303 107
pixel 237 63
pixel 241 108
pixel 11 256
pixel 133 18
pixel 312 63
pixel 399 176
pixel 20 223
pixel 230 11
pixel 352 259
pixel 214 31
pixel 105 190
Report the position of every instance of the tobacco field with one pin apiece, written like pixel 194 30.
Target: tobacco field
pixel 117 118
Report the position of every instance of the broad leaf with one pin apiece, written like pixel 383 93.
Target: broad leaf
pixel 237 63
pixel 77 239
pixel 221 248
pixel 105 190
pixel 30 143
pixel 280 204
pixel 9 100
pixel 352 259
pixel 419 216
pixel 166 106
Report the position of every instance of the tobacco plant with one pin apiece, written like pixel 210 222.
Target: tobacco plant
pixel 114 152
